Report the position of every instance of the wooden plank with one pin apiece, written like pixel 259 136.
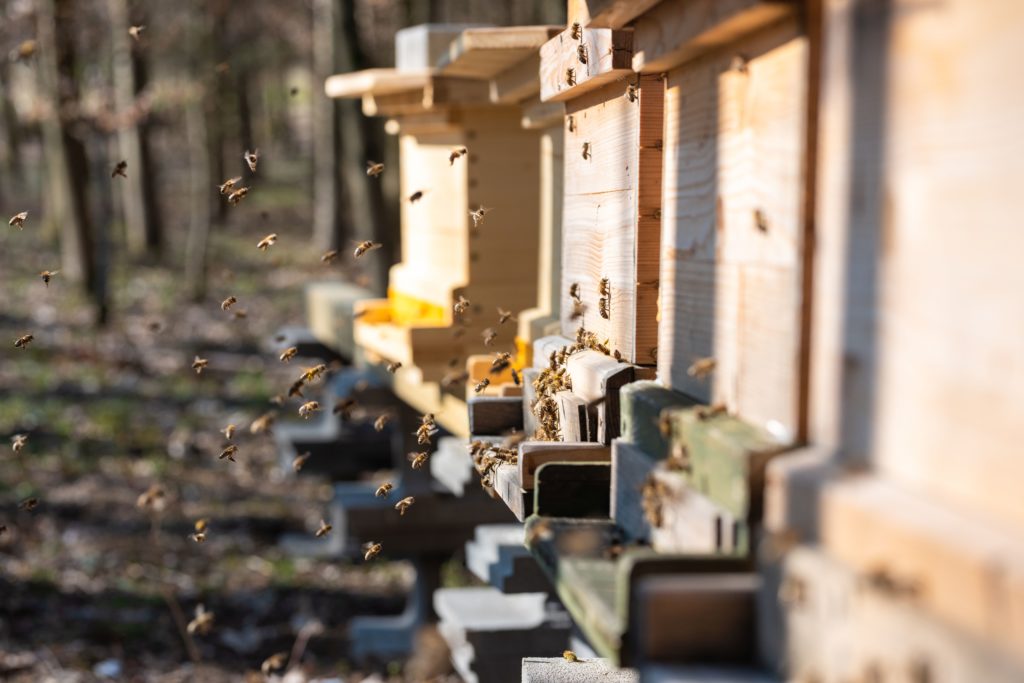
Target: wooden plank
pixel 423 46
pixel 403 103
pixel 611 215
pixel 519 82
pixel 529 396
pixel 690 523
pixel 641 404
pixel 509 488
pixel 676 32
pixel 485 52
pixel 540 115
pixel 495 414
pixel 545 346
pixel 376 82
pixel 607 13
pixel 963 568
pixel 608 54
pixel 630 468
pixel 572 489
pixel 443 91
pixel 792 492
pixel 732 257
pixel 573 421
pixel 597 378
pixel 533 454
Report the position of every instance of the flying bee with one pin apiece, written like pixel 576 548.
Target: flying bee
pixel 228 452
pixel 119 169
pixel 229 432
pixel 228 303
pixel 702 367
pixel 18 442
pixel 373 169
pixel 384 489
pixel 481 385
pixel 603 308
pixel 329 256
pixel 199 364
pixel 515 378
pixel 237 195
pixel 404 505
pixel 478 215
pixel 416 196
pixel 761 220
pixel 28 504
pixel 423 434
pixel 428 419
pixel 324 529
pixel 288 354
pixel 47 275
pixel 586 150
pixel 501 360
pixel 310 374
pixel 570 76
pixel 570 656
pixel 581 53
pixel 504 316
pixel 23 341
pixel 202 623
pixel 24 51
pixel 366 246
pixel 273 663
pixel 251 159
pixel 453 378
pixel 240 314
pixel 136 31
pixel 308 408
pixel 264 423
pixel 574 292
pixel 200 525
pixel 393 367
pixel 462 305
pixel 153 497
pixel 632 92
pixel 229 185
pixel 456 153
pixel 18 220
pixel 489 336
pixel 300 460
pixel 296 389
pixel 198 536
pixel 267 241
pixel 576 31
pixel 418 460
pixel 381 422
pixel 371 550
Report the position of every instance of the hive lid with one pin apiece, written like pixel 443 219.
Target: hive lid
pixel 485 52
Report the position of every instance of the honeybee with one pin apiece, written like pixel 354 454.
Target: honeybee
pixel 329 256
pixel 18 220
pixel 228 452
pixel 24 51
pixel 18 442
pixel 711 411
pixel 199 364
pixel 199 533
pixel 702 367
pixel 153 497
pixel 324 529
pixel 229 185
pixel 618 356
pixel 489 334
pixel 570 656
pixel 119 169
pixel 632 92
pixel 481 385
pixel 273 663
pixel 416 196
pixel 310 374
pixel 571 123
pixel 228 303
pixel 515 378
pixel 23 341
pixel 384 489
pixel 229 432
pixel 267 241
pixel 761 220
pixel 288 354
pixel 603 308
pixel 478 215
pixel 381 422
pixel 576 31
pixel 501 360
pixel 366 246
pixel 570 76
pixel 47 275
pixel 418 460
pixel 296 389
pixel 581 53
pixel 456 153
pixel 371 550
pixel 652 493
pixel 453 378
pixel 300 460
pixel 586 150
pixel 202 623
pixel 574 292
pixel 423 434
pixel 264 423
pixel 373 169
pixel 308 408
pixel 393 367
pixel 200 525
pixel 462 305
pixel 237 195
pixel 251 159
pixel 404 505
pixel 28 504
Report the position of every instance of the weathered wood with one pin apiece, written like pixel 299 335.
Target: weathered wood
pixel 792 492
pixel 732 259
pixel 690 522
pixel 423 46
pixel 518 82
pixel 597 378
pixel 573 420
pixel 442 91
pixel 608 54
pixel 630 469
pixel 641 404
pixel 533 454
pixel 509 488
pixel 576 489
pixel 375 82
pixel 486 52
pixel 495 414
pixel 963 568
pixel 607 13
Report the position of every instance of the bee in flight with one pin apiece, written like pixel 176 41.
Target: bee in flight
pixel 47 275
pixel 153 497
pixel 308 408
pixel 462 305
pixel 381 422
pixel 329 256
pixel 515 378
pixel 393 367
pixel 229 185
pixel 373 169
pixel 23 341
pixel 416 196
pixel 199 364
pixel 199 533
pixel 267 241
pixel 481 385
pixel 366 246
pixel 228 452
pixel 202 623
pixel 28 504
pixel 384 489
pixel 324 529
pixel 456 153
pixel 18 442
pixel 418 460
pixel 288 354
pixel 504 316
pixel 18 220
pixel 478 215
pixel 251 159
pixel 300 460
pixel 371 550
pixel 237 196
pixel 489 336
pixel 264 423
pixel 119 169
pixel 404 505
pixel 273 663
pixel 501 361
pixel 136 31
pixel 229 432
pixel 701 367
pixel 228 303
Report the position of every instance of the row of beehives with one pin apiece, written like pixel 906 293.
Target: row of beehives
pixel 758 458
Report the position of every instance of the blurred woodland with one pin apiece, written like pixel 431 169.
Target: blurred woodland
pixel 118 121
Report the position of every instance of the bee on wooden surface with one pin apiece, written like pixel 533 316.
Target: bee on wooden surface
pixel 251 159
pixel 632 92
pixel 228 303
pixel 603 308
pixel 571 123
pixel 384 489
pixel 288 354
pixel 310 374
pixel 761 220
pixel 574 292
pixel 329 256
pixel 119 169
pixel 308 408
pixel 570 656
pixel 570 76
pixel 381 422
pixel 18 220
pixel 136 31
pixel 504 316
pixel 478 215
pixel 501 361
pixel 371 550
pixel 202 623
pixel 393 367
pixel 581 53
pixel 456 153
pixel 416 196
pixel 324 529
pixel 373 169
pixel 652 494
pixel 299 460
pixel 489 335
pixel 481 385
pixel 515 378
pixel 618 356
pixel 229 431
pixel 199 364
pixel 453 378
pixel 228 452
pixel 604 287
pixel 404 505
pixel 711 411
pixel 702 367
pixel 28 504
pixel 267 242
pixel 576 31
pixel 296 389
pixel 18 442
pixel 586 150
pixel 418 460
pixel 228 186
pixel 237 196
pixel 364 247
pixel 273 663
pixel 154 497
pixel 264 423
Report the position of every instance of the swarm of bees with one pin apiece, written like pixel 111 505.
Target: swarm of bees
pixel 488 456
pixel 119 169
pixel 456 153
pixel 47 275
pixel 18 220
pixel 366 246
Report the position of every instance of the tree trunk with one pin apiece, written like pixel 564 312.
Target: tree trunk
pixel 199 198
pixel 327 232
pixel 11 182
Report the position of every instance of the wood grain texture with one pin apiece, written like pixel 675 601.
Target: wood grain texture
pixel 609 57
pixel 573 420
pixel 495 414
pixel 597 379
pixel 485 52
pixel 607 13
pixel 533 454
pixel 734 228
pixel 375 82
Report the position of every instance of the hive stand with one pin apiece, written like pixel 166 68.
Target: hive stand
pixel 330 306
